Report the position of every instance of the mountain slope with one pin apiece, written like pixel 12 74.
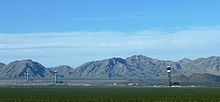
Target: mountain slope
pixel 209 65
pixel 197 77
pixel 108 68
pixel 63 71
pixel 137 66
pixel 2 66
pixel 134 67
pixel 19 69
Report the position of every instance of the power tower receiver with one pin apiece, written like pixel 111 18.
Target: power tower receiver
pixel 27 76
pixel 55 77
pixel 169 75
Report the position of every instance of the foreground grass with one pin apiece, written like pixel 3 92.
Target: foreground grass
pixel 109 94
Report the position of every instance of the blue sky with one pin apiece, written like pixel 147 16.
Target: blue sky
pixel 55 32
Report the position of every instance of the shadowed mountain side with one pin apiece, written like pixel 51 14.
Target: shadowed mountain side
pixel 209 65
pixel 134 67
pixel 108 68
pixel 19 68
pixel 196 77
pixel 2 66
pixel 63 71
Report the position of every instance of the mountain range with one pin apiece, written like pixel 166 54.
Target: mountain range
pixel 134 67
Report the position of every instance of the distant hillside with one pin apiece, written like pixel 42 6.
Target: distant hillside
pixel 19 68
pixel 197 77
pixel 63 71
pixel 209 65
pixel 2 66
pixel 140 66
pixel 137 66
pixel 134 67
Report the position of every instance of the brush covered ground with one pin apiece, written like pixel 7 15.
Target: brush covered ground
pixel 82 94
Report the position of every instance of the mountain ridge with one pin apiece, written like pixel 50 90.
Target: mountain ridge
pixel 19 69
pixel 133 67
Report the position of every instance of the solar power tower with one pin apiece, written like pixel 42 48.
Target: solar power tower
pixel 55 77
pixel 169 75
pixel 27 76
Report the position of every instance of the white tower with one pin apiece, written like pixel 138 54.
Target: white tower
pixel 27 76
pixel 55 77
pixel 169 75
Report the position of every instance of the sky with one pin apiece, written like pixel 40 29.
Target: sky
pixel 72 32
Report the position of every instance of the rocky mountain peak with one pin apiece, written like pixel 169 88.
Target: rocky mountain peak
pixel 138 58
pixel 137 66
pixel 115 60
pixel 214 59
pixel 63 71
pixel 19 69
pixel 2 65
pixel 23 62
pixel 62 68
pixel 185 60
pixel 199 60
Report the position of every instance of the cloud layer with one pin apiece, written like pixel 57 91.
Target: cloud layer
pixel 75 48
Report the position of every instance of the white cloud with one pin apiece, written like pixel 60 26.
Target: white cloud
pixel 143 39
pixel 192 42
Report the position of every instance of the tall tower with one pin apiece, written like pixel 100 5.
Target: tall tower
pixel 27 76
pixel 55 77
pixel 169 76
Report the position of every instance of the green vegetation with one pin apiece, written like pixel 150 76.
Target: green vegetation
pixel 109 94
